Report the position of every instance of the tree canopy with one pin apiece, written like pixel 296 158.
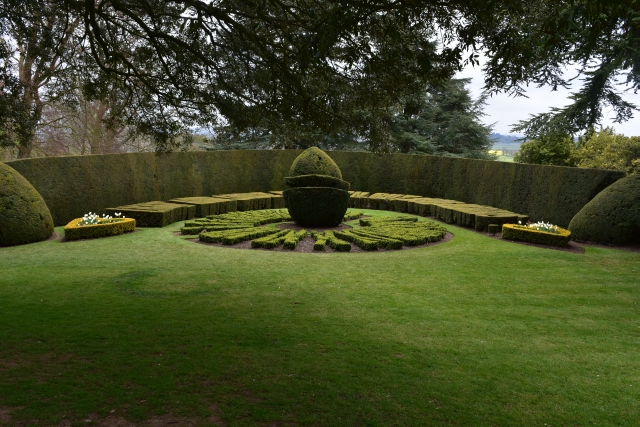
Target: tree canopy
pixel 309 67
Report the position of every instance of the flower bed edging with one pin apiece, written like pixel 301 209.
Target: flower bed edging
pixel 524 234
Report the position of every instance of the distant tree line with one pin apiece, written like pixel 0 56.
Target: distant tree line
pixel 97 75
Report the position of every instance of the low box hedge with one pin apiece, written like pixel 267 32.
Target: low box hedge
pixel 524 234
pixel 336 243
pixel 73 231
pixel 291 240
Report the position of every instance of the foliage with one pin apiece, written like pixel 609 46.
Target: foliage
pixel 24 215
pixel 547 150
pixel 314 161
pixel 310 71
pixel 443 120
pixel 608 150
pixel 613 216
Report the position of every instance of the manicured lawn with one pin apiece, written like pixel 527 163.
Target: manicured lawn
pixel 473 332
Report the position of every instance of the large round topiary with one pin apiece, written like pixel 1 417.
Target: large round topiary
pixel 316 206
pixel 319 197
pixel 612 217
pixel 314 161
pixel 24 216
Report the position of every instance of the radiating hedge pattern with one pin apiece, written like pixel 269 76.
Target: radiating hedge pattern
pixel 74 185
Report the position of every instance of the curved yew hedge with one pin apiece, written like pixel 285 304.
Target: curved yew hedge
pixel 73 186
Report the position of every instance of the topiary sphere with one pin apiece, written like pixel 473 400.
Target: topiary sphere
pixel 612 217
pixel 314 161
pixel 24 216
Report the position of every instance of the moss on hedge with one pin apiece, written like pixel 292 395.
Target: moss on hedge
pixel 612 217
pixel 24 216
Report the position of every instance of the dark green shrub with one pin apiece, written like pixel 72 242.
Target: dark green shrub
pixel 316 181
pixel 317 206
pixel 523 234
pixel 24 216
pixel 613 216
pixel 73 231
pixel 314 161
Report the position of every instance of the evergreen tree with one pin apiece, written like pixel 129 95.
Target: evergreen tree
pixel 445 120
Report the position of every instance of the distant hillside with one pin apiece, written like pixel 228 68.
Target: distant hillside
pixel 506 141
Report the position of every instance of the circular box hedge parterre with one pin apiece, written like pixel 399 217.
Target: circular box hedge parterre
pixel 524 234
pixel 73 231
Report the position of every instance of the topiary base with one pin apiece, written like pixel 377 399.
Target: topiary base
pixel 524 234
pixel 316 206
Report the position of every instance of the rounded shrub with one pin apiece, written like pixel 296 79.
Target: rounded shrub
pixel 314 161
pixel 316 206
pixel 24 216
pixel 612 217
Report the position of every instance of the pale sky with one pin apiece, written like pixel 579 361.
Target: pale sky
pixel 505 111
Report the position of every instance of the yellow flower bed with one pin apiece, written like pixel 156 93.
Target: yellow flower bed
pixel 73 231
pixel 525 234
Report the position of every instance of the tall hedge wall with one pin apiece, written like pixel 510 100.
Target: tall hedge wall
pixel 72 186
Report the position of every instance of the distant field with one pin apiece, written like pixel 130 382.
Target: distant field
pixel 505 159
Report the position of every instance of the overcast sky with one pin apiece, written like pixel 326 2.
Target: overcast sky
pixel 505 111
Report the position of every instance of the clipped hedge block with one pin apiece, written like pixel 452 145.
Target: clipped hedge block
pixel 24 216
pixel 206 206
pixel 254 201
pixel 73 231
pixel 359 199
pixel 155 214
pixel 316 181
pixel 612 217
pixel 524 234
pixel 317 206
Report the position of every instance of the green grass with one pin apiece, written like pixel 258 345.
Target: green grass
pixel 472 332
